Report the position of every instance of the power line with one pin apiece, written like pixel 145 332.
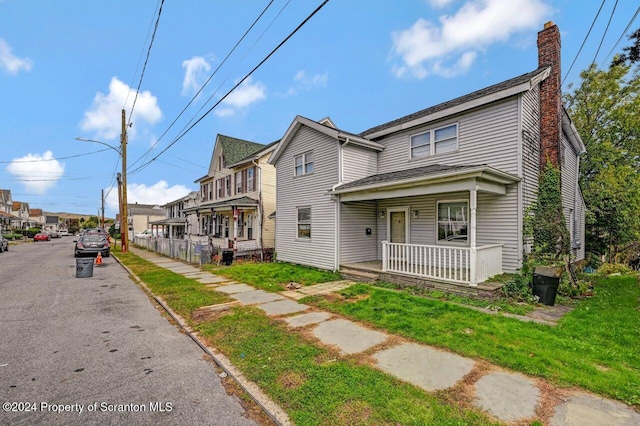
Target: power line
pixel 235 86
pixel 605 32
pixel 583 42
pixel 144 67
pixel 53 159
pixel 633 18
pixel 206 82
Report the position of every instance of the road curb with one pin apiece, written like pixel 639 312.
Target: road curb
pixel 270 408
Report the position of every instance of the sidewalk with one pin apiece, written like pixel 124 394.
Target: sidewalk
pixel 508 396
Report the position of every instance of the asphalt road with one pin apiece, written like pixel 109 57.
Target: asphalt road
pixel 78 351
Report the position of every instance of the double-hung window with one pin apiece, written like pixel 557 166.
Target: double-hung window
pixel 304 222
pixel 435 141
pixel 304 164
pixel 251 179
pixel 453 221
pixel 227 186
pixel 239 185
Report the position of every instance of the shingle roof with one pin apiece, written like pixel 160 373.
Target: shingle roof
pixel 458 101
pixel 235 149
pixel 142 209
pixel 253 154
pixel 403 174
pixel 35 212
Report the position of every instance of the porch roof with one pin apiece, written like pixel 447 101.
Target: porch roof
pixel 435 178
pixel 226 204
pixel 170 221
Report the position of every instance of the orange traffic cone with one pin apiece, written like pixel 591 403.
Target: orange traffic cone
pixel 99 259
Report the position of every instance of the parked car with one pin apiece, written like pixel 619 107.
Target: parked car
pixel 91 245
pixel 144 234
pixel 41 236
pixel 55 234
pixel 64 233
pixel 4 244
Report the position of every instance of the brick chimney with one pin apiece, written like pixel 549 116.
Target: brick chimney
pixel 550 95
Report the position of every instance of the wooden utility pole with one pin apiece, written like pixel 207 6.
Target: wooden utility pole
pixel 120 206
pixel 102 198
pixel 124 222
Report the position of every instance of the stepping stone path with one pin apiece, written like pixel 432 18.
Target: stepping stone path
pixel 509 397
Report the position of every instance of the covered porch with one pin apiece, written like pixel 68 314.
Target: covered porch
pixel 435 224
pixel 231 224
pixel 173 228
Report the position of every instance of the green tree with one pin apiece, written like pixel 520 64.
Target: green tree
pixel 604 107
pixel 92 222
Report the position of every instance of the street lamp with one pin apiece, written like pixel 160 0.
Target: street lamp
pixel 122 152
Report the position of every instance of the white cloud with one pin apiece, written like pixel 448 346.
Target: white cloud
pixel 194 75
pixel 302 81
pixel 246 94
pixel 440 3
pixel 11 63
pixel 104 118
pixel 425 47
pixel 37 172
pixel 159 193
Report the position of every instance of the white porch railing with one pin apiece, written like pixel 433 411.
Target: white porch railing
pixel 447 263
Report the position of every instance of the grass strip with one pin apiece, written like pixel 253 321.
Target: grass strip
pixel 593 347
pixel 315 386
pixel 273 276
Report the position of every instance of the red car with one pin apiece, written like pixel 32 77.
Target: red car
pixel 40 236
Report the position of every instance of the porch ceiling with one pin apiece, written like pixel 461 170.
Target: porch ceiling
pixel 241 202
pixel 433 179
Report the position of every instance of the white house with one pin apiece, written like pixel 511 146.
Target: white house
pixel 437 196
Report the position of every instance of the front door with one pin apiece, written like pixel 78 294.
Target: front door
pixel 398 226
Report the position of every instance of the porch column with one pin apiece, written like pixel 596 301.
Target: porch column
pixel 170 231
pixel 235 228
pixel 473 204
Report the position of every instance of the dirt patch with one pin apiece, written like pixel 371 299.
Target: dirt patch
pixel 353 413
pixel 550 397
pixel 550 313
pixel 200 316
pixel 291 380
pixel 463 393
pixel 325 358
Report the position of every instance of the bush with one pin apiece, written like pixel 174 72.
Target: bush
pixel 518 286
pixel 614 268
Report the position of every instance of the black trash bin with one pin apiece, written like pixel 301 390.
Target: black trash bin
pixel 227 257
pixel 84 267
pixel 546 281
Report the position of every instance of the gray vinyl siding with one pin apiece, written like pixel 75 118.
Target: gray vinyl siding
pixel 355 244
pixel 487 135
pixel 358 163
pixel 582 209
pixel 570 199
pixel 307 190
pixel 496 223
pixel 530 146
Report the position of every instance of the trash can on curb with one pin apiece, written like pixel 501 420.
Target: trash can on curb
pixel 227 257
pixel 546 281
pixel 84 267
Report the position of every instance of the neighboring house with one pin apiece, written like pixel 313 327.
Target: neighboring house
pixel 36 218
pixel 52 223
pixel 6 209
pixel 177 224
pixel 235 194
pixel 438 196
pixel 22 212
pixel 140 217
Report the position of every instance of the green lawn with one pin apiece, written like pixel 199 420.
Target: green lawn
pixel 594 347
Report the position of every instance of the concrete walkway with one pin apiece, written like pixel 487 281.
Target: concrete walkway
pixel 508 396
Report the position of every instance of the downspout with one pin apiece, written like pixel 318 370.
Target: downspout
pixel 260 206
pixel 336 199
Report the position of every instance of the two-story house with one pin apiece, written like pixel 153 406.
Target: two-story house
pixel 177 224
pixel 437 196
pixel 237 195
pixel 6 210
pixel 22 212
pixel 140 217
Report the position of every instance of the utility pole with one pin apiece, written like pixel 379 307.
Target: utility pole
pixel 120 206
pixel 102 208
pixel 124 221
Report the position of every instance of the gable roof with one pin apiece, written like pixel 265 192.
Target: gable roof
pixel 235 149
pixel 471 100
pixel 265 149
pixel 145 209
pixel 35 212
pixel 339 135
pixel 5 195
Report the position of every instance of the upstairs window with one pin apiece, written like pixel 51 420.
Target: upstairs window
pixel 435 141
pixel 251 179
pixel 239 182
pixel 227 186
pixel 304 164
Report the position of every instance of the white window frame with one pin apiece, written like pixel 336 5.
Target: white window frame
pixel 251 181
pixel 298 223
pixel 433 142
pixel 304 163
pixel 467 221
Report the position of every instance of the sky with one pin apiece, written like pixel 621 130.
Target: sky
pixel 69 67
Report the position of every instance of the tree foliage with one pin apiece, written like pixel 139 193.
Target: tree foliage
pixel 604 108
pixel 550 233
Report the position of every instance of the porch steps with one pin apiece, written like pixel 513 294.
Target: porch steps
pixel 359 275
